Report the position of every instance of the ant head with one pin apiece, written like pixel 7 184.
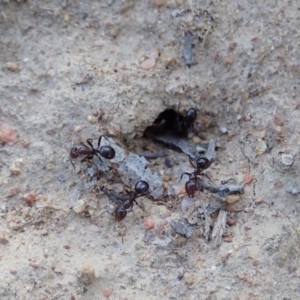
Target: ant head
pixel 202 163
pixel 107 152
pixel 141 187
pixel 73 153
pixel 191 115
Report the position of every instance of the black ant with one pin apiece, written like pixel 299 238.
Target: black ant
pixel 173 122
pixel 194 183
pixel 89 151
pixel 125 203
pixel 185 125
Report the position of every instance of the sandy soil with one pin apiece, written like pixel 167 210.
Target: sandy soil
pixel 72 70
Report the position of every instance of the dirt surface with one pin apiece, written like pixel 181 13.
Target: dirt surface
pixel 73 70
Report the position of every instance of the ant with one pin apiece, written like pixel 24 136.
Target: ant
pixel 125 203
pixel 186 124
pixel 194 183
pixel 174 122
pixel 89 151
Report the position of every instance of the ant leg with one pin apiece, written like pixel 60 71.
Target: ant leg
pixel 89 142
pixel 97 154
pixel 100 138
pixel 144 194
pixel 99 141
pixel 72 163
pixel 137 204
pixel 105 137
pixel 226 181
pixel 203 174
pixel 192 163
pixel 106 211
pixel 89 158
pixel 185 173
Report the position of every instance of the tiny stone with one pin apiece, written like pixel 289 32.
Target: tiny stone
pixel 148 64
pixel 77 128
pixel 12 66
pixel 232 198
pixel 228 60
pixel 261 147
pixel 263 134
pixel 107 292
pixel 223 130
pixel 86 275
pixel 149 224
pixel 259 201
pixel 189 278
pixel 196 139
pixel 158 3
pixel 7 134
pixel 15 168
pixel 79 206
pixel 187 203
pixel 3 237
pixel 287 160
pixel 164 212
pixel 182 227
pixel 255 262
pixel 58 270
pixel 92 119
pixel 66 17
pixel 168 56
pixel 230 221
pixel 12 191
pixel 247 179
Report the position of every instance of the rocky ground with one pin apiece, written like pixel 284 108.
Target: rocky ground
pixel 73 70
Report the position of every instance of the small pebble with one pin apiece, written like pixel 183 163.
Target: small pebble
pixel 15 168
pixel 232 198
pixel 163 211
pixel 12 191
pixel 230 221
pixel 7 134
pixel 247 179
pixel 168 57
pixel 86 275
pixel 92 119
pixel 3 237
pixel 12 66
pixel 229 59
pixel 149 224
pixel 196 139
pixel 148 64
pixel 107 292
pixel 158 3
pixel 160 227
pixel 58 270
pixel 234 207
pixel 223 129
pixel 29 199
pixel 287 160
pixel 259 201
pixel 189 278
pixel 79 206
pixel 261 147
pixel 187 203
